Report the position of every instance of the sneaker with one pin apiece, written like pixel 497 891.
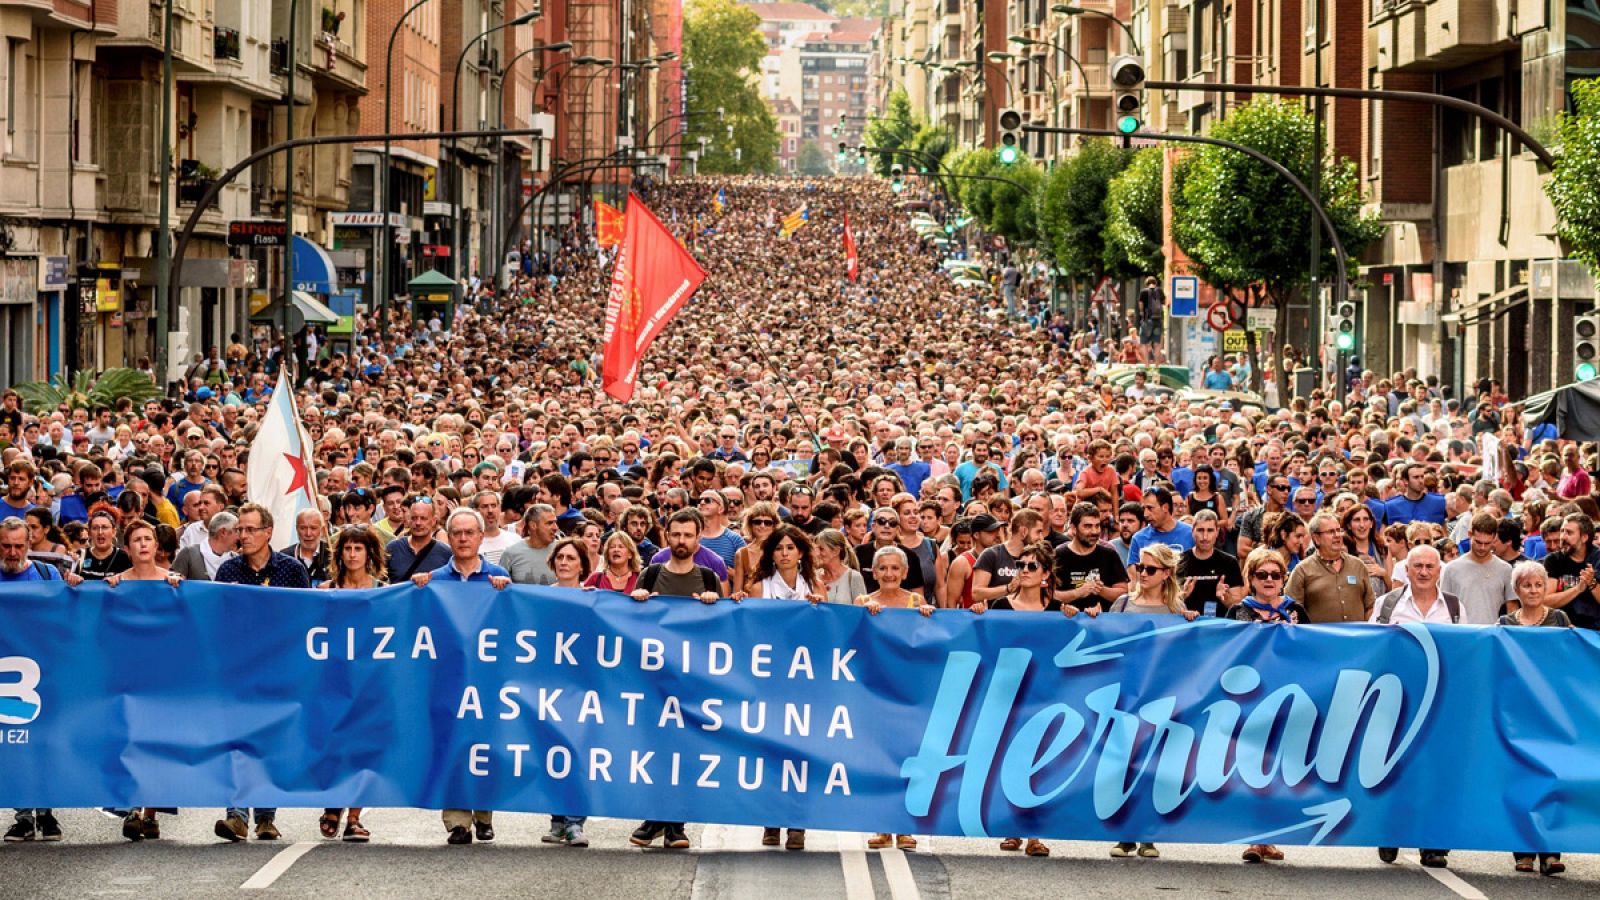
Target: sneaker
pixel 484 831
pixel 266 830
pixel 1149 851
pixel 152 830
pixel 459 835
pixel 1124 849
pixel 576 837
pixel 905 842
pixel 232 829
pixel 49 828
pixel 22 831
pixel 676 838
pixel 557 835
pixel 797 839
pixel 646 834
pixel 1388 854
pixel 133 827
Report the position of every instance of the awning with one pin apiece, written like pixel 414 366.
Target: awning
pixel 315 311
pixel 1573 410
pixel 313 268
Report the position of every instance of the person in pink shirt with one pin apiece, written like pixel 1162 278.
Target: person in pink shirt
pixel 1575 483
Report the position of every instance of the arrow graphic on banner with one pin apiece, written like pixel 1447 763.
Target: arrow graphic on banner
pixel 1075 654
pixel 1325 817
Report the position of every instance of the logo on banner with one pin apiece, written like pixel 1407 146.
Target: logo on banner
pixel 19 695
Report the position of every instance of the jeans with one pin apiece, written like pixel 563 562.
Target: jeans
pixel 560 821
pixel 28 815
pixel 263 814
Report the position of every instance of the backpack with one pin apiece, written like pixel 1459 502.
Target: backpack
pixel 1392 599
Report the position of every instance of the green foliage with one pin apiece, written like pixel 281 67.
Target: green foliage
pixel 1133 215
pixel 85 391
pixel 891 130
pixel 1242 224
pixel 1574 188
pixel 934 142
pixel 1013 210
pixel 974 194
pixel 723 46
pixel 813 160
pixel 1072 207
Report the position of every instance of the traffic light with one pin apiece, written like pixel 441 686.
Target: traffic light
pixel 1586 346
pixel 1010 144
pixel 841 151
pixel 949 228
pixel 897 175
pixel 1343 324
pixel 1127 98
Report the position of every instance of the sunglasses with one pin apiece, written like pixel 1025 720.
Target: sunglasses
pixel 1030 565
pixel 1305 500
pixel 671 507
pixel 1143 569
pixel 763 522
pixel 1277 487
pixel 1268 575
pixel 886 521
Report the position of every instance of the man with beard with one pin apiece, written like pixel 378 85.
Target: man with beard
pixel 1089 574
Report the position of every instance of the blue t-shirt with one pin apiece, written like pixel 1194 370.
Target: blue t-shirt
pixel 1380 513
pixel 912 475
pixel 1180 538
pixel 968 472
pixel 1260 482
pixel 1534 548
pixel 8 511
pixel 725 545
pixel 1217 381
pixel 182 488
pixel 486 570
pixel 1400 510
pixel 34 571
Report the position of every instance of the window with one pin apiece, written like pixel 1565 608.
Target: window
pixel 19 111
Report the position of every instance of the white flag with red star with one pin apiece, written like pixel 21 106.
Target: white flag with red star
pixel 282 472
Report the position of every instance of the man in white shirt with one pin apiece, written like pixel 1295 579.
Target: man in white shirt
pixel 208 501
pixel 496 540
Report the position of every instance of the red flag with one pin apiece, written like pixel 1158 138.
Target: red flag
pixel 608 221
pixel 653 278
pixel 851 266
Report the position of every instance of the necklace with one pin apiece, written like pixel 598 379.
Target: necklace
pixel 1544 613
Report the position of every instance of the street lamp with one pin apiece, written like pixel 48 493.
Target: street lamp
pixel 999 56
pixel 455 123
pixel 383 276
pixel 1070 10
pixel 496 226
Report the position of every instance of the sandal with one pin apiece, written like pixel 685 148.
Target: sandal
pixel 355 834
pixel 1524 864
pixel 1011 844
pixel 329 824
pixel 905 842
pixel 1037 847
pixel 879 841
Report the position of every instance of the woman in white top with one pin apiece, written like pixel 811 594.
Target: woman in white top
pixel 837 575
pixel 785 572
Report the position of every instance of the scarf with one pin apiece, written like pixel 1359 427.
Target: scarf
pixel 1280 611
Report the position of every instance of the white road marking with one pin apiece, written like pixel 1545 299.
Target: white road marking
pixel 1450 880
pixel 277 865
pixel 902 886
pixel 853 859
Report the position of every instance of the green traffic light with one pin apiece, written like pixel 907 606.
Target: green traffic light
pixel 1127 124
pixel 1345 342
pixel 1586 371
pixel 1008 154
pixel 949 228
pixel 897 186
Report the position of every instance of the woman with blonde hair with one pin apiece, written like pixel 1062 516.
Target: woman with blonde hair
pixel 759 521
pixel 619 565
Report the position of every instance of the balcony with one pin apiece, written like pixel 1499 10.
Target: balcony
pixel 1442 34
pixel 334 60
pixel 225 44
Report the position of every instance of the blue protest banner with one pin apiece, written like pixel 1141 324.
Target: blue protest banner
pixel 772 712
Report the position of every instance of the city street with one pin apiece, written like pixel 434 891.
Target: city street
pixel 408 858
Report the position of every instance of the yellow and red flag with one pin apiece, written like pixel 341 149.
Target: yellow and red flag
pixel 653 278
pixel 608 223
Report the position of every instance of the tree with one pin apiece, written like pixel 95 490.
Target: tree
pixel 892 129
pixel 933 143
pixel 1013 208
pixel 86 390
pixel 1072 209
pixel 1245 228
pixel 1133 231
pixel 1574 188
pixel 723 46
pixel 813 160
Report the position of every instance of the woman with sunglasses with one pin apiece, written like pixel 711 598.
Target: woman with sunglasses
pixel 1155 592
pixel 355 562
pixel 621 570
pixel 759 521
pixel 1032 590
pixel 889 565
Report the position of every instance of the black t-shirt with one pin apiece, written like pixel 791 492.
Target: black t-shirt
pixel 999 563
pixel 913 580
pixel 1206 572
pixel 1074 568
pixel 1584 611
pixel 1056 539
pixel 1004 602
pixel 116 563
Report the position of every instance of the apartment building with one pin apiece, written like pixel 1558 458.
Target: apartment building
pixel 836 82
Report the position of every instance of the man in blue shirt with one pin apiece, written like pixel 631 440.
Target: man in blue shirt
pixel 1414 503
pixel 194 465
pixel 912 472
pixel 19 483
pixel 974 467
pixel 1162 528
pixel 1217 377
pixel 465 529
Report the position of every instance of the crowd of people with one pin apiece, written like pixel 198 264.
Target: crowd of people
pixel 893 442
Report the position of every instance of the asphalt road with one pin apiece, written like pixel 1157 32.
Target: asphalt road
pixel 408 858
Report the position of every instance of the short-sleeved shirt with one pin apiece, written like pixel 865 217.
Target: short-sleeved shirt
pixel 914 580
pixel 281 570
pixel 702 557
pixel 528 564
pixel 33 571
pixel 725 545
pixel 91 568
pixel 1583 609
pixel 1179 538
pixel 1073 569
pixel 1329 596
pixel 1402 510
pixel 999 563
pixel 486 570
pixel 1484 588
pixel 1218 567
pixel 402 556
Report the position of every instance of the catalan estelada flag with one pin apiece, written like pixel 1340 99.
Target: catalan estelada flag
pixel 793 221
pixel 720 201
pixel 608 224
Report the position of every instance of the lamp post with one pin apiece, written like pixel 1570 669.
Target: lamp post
pixel 385 239
pixel 496 225
pixel 1055 85
pixel 288 185
pixel 1069 10
pixel 457 227
pixel 164 227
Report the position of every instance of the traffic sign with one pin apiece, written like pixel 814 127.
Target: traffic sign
pixel 1218 316
pixel 1261 318
pixel 1185 296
